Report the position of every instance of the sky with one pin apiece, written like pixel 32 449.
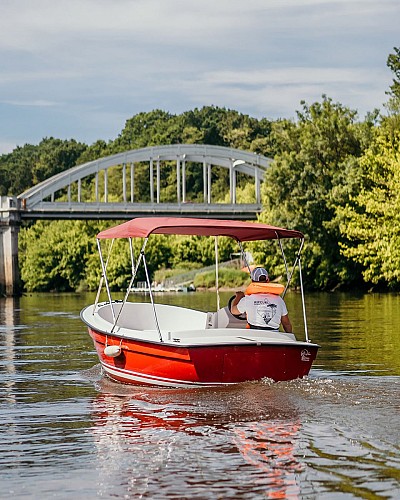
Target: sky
pixel 78 69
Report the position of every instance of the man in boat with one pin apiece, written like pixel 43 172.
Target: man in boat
pixel 264 308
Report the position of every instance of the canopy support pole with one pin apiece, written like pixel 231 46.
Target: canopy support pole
pixel 216 271
pixel 294 264
pixel 128 290
pixel 284 258
pixel 103 267
pixel 288 277
pixel 150 291
pixel 102 277
pixel 303 302
pixel 244 256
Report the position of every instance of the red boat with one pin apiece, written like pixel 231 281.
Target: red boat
pixel 157 344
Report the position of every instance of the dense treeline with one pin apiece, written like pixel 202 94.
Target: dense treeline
pixel 334 177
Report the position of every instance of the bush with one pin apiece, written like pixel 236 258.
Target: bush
pixel 228 278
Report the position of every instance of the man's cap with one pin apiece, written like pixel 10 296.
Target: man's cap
pixel 259 274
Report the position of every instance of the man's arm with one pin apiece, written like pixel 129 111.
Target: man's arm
pixel 238 297
pixel 287 325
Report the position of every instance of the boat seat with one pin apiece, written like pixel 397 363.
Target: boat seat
pixel 223 318
pixel 140 316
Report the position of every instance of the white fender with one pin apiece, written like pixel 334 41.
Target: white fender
pixel 112 351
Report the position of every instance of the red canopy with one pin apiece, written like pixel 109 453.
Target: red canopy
pixel 142 227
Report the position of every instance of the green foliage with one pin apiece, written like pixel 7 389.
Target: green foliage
pixel 393 63
pixel 98 149
pixel 208 125
pixel 314 158
pixel 227 278
pixel 160 275
pixel 119 270
pixel 200 250
pixel 333 177
pixel 16 172
pixel 28 165
pixel 371 221
pixel 53 255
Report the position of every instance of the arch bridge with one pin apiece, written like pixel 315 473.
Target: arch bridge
pixel 105 189
pixel 63 195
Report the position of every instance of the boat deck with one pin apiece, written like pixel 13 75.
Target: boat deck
pixel 179 326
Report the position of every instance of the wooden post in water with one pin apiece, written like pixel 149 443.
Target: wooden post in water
pixel 10 222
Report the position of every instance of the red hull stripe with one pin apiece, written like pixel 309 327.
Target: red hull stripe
pixel 129 376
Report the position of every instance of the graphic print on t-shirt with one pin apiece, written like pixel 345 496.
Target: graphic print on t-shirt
pixel 265 310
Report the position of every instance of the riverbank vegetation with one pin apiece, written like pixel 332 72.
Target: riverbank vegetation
pixel 335 177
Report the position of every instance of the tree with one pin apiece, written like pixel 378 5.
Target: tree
pixel 314 161
pixel 16 170
pixel 29 165
pixel 371 222
pixel 393 105
pixel 393 63
pixel 54 156
pixel 53 255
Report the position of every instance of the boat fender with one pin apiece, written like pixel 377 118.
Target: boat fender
pixel 257 287
pixel 112 351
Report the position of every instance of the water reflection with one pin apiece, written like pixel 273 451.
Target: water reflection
pixel 219 436
pixel 358 333
pixel 9 325
pixel 68 429
pixel 298 439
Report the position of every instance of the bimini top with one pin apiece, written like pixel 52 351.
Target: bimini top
pixel 142 227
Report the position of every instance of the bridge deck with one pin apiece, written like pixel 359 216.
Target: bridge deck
pixel 60 210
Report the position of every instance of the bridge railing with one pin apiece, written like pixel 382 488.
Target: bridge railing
pixel 44 199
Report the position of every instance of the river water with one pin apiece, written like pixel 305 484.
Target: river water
pixel 69 432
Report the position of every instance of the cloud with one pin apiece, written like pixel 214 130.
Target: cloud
pixel 43 24
pixel 34 103
pixel 87 65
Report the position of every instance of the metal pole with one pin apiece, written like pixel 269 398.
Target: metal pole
pixel 216 271
pixel 286 266
pixel 231 181
pixel 96 186
pixel 151 296
pixel 105 278
pixel 295 263
pixel 244 256
pixel 158 180
pixel 124 182
pixel 284 258
pixel 257 185
pixel 184 181
pixel 102 276
pixel 205 181
pixel 105 185
pixel 132 255
pixel 178 179
pixel 209 183
pixel 128 290
pixel 233 185
pixel 303 302
pixel 151 181
pixel 132 181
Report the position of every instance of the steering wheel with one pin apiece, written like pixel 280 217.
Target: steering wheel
pixel 241 316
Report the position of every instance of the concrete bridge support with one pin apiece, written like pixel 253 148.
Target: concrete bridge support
pixel 9 228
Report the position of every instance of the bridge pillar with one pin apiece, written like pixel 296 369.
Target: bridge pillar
pixel 10 222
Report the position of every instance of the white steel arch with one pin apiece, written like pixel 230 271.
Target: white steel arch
pixel 35 201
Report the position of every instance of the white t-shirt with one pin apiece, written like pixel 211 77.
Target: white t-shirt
pixel 263 309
